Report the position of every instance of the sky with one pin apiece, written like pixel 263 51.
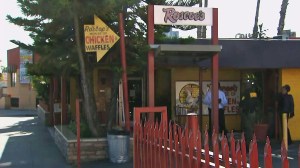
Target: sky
pixel 235 16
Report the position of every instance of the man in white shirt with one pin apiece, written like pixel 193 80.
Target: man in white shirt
pixel 222 103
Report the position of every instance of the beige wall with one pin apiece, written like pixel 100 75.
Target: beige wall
pixel 25 93
pixel 192 74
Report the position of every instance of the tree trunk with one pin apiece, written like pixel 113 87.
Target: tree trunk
pixel 255 28
pixel 282 16
pixel 86 73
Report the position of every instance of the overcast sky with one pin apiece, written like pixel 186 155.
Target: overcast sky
pixel 235 16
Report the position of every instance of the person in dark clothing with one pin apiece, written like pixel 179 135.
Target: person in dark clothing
pixel 286 105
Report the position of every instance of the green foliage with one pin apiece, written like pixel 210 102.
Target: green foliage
pixel 84 129
pixel 41 85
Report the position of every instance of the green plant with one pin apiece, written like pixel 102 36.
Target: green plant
pixel 84 129
pixel 41 85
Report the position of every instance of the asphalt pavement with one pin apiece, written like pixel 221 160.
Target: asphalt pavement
pixel 26 143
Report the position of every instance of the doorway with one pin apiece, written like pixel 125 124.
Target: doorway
pixel 135 94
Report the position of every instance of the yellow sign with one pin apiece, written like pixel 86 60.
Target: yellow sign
pixel 99 38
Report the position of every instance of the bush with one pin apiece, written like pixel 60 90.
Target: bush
pixel 84 129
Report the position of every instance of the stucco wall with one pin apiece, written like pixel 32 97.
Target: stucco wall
pixel 25 92
pixel 292 77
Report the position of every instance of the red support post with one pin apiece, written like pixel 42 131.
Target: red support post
pixel 215 73
pixel 124 73
pixel 78 131
pixel 63 101
pixel 151 64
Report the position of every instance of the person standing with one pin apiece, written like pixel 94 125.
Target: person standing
pixel 222 103
pixel 286 105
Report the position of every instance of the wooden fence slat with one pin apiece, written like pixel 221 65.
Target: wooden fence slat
pixel 191 146
pixel 284 159
pixel 199 148
pixel 171 145
pixel 232 148
pixel 238 155
pixel 206 150
pixel 225 152
pixel 151 139
pixel 183 149
pixel 156 159
pixel 244 151
pixel 268 154
pixel 253 153
pixel 165 142
pixel 215 144
pixel 160 139
pixel 176 147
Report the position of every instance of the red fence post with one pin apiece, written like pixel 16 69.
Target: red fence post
pixel 232 148
pixel 284 159
pixel 160 139
pixel 268 154
pixel 238 155
pixel 244 151
pixel 136 146
pixel 183 148
pixel 171 145
pixel 191 144
pixel 206 150
pixel 176 146
pixel 165 137
pixel 199 149
pixel 253 153
pixel 215 144
pixel 225 151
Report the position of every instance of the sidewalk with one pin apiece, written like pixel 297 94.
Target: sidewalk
pixel 26 143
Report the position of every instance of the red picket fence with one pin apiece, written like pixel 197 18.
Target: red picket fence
pixel 162 145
